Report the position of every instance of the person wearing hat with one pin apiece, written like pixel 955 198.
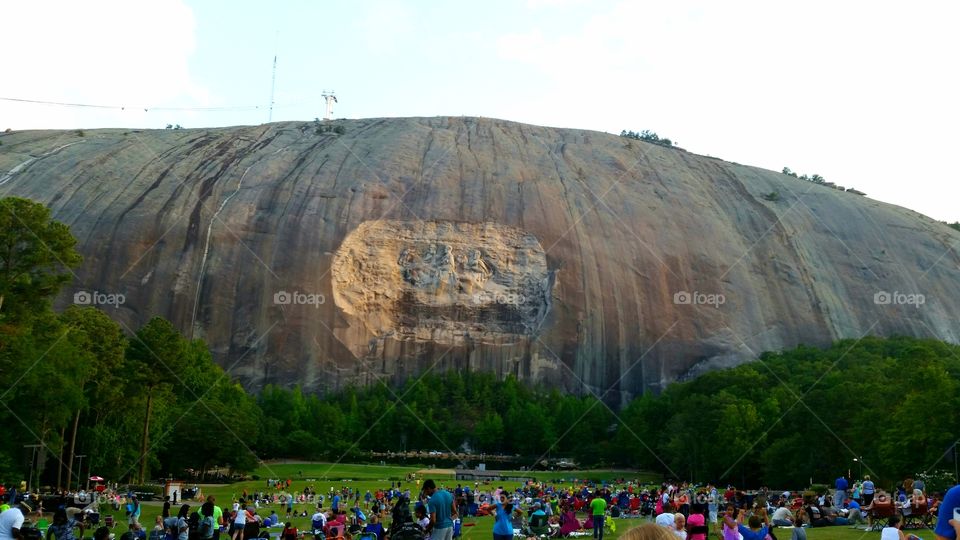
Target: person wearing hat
pixel 538 521
pixel 11 520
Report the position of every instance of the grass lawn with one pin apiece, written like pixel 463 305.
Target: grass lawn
pixel 323 476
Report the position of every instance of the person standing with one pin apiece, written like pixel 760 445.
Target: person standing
pixel 239 523
pixel 218 521
pixel 840 494
pixel 598 506
pixel 442 511
pixel 867 490
pixel 133 509
pixel 207 527
pixel 503 528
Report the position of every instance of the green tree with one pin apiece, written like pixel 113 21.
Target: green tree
pixel 157 358
pixel 488 433
pixel 36 254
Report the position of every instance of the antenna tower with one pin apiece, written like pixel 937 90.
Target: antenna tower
pixel 273 85
pixel 330 98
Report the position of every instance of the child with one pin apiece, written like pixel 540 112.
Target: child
pixel 423 520
pixel 289 532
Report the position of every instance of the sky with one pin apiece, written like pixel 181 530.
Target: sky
pixel 864 93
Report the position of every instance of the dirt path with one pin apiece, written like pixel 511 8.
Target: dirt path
pixel 435 471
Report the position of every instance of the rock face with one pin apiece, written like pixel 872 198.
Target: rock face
pixel 566 257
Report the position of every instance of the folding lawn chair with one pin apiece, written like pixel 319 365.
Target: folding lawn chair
pixel 880 514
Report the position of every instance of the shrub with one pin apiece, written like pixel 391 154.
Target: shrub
pixel 648 136
pixel 80 133
pixel 773 196
pixel 339 130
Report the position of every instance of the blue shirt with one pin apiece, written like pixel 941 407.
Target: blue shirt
pixel 440 504
pixel 336 503
pixel 841 483
pixel 503 525
pixel 868 488
pixel 853 504
pixel 950 501
pixel 376 529
pixel 751 535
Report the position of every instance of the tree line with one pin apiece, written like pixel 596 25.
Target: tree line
pixel 145 403
pixel 76 384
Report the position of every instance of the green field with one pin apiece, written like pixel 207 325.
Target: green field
pixel 322 477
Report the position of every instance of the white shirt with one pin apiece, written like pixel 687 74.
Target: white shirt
pixel 890 533
pixel 10 519
pixel 241 517
pixel 781 513
pixel 321 517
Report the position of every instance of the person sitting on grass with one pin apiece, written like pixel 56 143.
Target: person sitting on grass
pixel 782 517
pixel 892 531
pixel 568 521
pixel 289 532
pixel 375 527
pixel 648 531
pixel 854 514
pixel 756 529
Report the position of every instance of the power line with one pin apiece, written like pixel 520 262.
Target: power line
pixel 145 109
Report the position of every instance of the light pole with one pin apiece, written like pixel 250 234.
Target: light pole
pixel 33 463
pixel 859 461
pixel 80 469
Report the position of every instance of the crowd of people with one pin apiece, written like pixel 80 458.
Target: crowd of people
pixel 533 510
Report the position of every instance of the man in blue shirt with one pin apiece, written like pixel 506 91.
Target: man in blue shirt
pixel 441 509
pixel 948 528
pixel 841 494
pixel 335 505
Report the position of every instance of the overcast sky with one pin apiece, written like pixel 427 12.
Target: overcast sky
pixel 864 93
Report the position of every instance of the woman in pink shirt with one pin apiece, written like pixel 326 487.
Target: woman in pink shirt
pixel 696 527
